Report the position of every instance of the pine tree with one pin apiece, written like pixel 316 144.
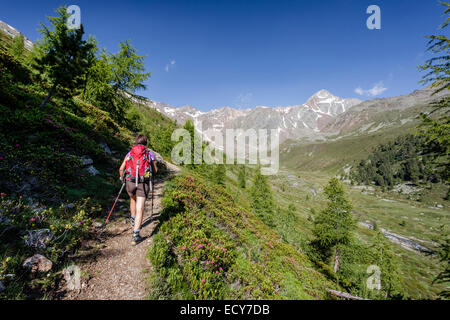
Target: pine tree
pixel 334 226
pixel 65 56
pixel 262 199
pixel 219 174
pixel 242 177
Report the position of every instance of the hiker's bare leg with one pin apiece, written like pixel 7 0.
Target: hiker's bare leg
pixel 140 202
pixel 133 206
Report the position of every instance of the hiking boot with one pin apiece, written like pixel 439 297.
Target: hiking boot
pixel 136 238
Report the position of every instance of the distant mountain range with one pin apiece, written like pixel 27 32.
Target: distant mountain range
pixel 323 115
pixel 303 120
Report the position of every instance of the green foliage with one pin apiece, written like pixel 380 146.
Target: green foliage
pixel 444 256
pixel 262 199
pixel 383 256
pixel 67 225
pixel 128 69
pixel 218 250
pixel 438 67
pixel 219 174
pixel 65 59
pixel 18 47
pixel 242 177
pixel 407 158
pixel 40 151
pixel 436 129
pixel 334 225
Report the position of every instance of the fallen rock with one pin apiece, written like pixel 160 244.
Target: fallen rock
pixel 38 238
pixel 72 276
pixel 69 206
pixel 86 161
pixel 38 263
pixel 5 220
pixel 93 171
pixel 105 147
pixel 97 224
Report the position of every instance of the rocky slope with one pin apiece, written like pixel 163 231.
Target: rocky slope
pixel 13 32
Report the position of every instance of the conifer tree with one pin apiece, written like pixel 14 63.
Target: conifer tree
pixel 242 177
pixel 65 56
pixel 219 174
pixel 334 226
pixel 437 130
pixel 262 199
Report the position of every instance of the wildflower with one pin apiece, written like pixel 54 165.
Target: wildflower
pixel 207 262
pixel 203 280
pixel 217 271
pixel 32 220
pixel 220 269
pixel 20 197
pixel 2 194
pixel 183 247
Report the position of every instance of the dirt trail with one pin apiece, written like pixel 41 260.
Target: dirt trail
pixel 118 270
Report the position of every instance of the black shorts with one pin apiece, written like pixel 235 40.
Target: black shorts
pixel 142 189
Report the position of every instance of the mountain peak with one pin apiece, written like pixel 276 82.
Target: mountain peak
pixel 322 94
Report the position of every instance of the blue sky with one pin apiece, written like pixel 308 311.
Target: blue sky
pixel 217 53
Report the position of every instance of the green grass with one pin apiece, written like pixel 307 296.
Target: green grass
pixel 257 264
pixel 418 270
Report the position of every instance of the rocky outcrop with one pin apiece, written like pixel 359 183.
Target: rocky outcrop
pixel 38 239
pixel 401 240
pixel 13 32
pixel 38 263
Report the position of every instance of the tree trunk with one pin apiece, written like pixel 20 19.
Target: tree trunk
pixel 336 261
pixel 52 90
pixel 344 295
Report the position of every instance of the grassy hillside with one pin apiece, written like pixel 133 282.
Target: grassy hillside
pixel 333 155
pixel 419 221
pixel 209 246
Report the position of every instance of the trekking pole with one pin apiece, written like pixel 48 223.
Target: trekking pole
pixel 123 185
pixel 152 191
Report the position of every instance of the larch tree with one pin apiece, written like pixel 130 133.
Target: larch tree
pixel 334 225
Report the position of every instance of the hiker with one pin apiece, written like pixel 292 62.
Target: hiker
pixel 143 160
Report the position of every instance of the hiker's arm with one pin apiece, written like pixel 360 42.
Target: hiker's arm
pixel 154 167
pixel 121 169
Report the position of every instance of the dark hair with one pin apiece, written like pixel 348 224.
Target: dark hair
pixel 141 139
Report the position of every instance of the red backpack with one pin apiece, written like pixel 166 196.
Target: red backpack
pixel 138 159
